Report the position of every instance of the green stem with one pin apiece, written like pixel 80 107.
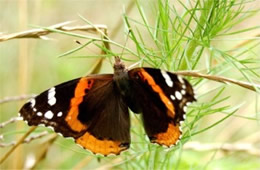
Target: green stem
pixel 193 44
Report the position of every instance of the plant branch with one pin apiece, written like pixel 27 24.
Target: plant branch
pixel 39 32
pixel 16 98
pixel 12 120
pixel 225 80
pixel 27 140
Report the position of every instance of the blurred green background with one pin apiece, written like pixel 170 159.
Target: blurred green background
pixel 30 66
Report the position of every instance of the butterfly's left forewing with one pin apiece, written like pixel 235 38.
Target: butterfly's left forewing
pixel 52 106
pixel 89 109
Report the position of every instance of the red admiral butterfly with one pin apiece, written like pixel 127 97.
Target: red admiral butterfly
pixel 94 109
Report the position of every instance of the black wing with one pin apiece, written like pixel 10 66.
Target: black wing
pixel 89 109
pixel 162 98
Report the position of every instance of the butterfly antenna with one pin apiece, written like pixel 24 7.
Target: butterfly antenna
pixel 119 66
pixel 117 57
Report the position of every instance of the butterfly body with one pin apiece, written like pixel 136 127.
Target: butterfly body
pixel 94 109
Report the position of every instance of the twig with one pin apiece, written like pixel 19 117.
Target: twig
pixel 27 140
pixel 4 145
pixel 17 144
pixel 220 79
pixel 39 33
pixel 31 138
pixel 16 98
pixel 228 147
pixel 12 120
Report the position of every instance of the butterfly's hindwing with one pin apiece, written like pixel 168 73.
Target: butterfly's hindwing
pixel 106 115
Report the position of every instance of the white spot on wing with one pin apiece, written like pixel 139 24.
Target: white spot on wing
pixel 179 138
pixel 180 135
pixel 34 109
pixel 178 95
pixel 51 92
pixel 39 113
pixel 59 114
pixel 188 103
pixel 177 142
pixel 48 115
pixel 33 102
pixel 180 79
pixel 185 110
pixel 71 138
pixel 167 78
pixel 80 146
pixel 60 134
pixel 172 97
pixel 51 96
pixel 52 101
pixel 183 92
pixel 50 127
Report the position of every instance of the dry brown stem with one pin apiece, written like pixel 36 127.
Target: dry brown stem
pixel 12 120
pixel 39 32
pixel 16 98
pixel 225 80
pixel 27 140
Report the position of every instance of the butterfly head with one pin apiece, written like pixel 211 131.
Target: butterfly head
pixel 119 68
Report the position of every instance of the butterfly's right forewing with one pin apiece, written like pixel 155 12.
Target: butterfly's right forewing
pixel 162 98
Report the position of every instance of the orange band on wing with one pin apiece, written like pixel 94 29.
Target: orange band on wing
pixel 103 147
pixel 72 117
pixel 146 76
pixel 168 138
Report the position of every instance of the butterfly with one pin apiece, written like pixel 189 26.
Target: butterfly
pixel 94 110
